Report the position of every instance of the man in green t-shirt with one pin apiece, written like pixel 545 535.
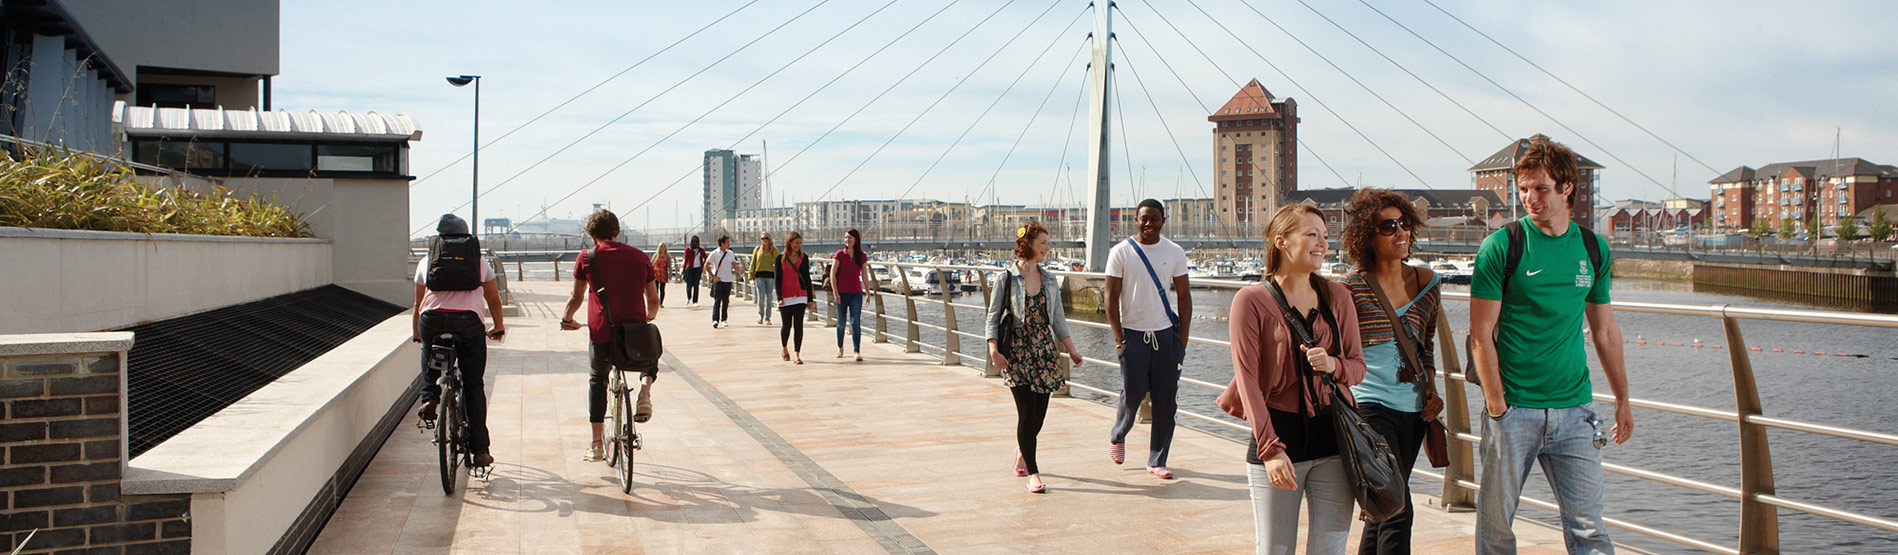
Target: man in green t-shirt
pixel 1526 344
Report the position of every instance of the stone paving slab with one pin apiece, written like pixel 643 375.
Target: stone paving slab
pixel 747 453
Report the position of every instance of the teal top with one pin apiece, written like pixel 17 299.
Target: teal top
pixel 1539 331
pixel 1381 362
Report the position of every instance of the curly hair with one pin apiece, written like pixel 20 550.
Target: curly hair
pixel 1552 158
pixel 1284 221
pixel 1359 238
pixel 1025 239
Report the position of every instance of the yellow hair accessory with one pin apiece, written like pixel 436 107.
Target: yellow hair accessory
pixel 1021 231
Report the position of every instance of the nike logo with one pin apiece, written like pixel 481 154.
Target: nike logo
pixel 1534 272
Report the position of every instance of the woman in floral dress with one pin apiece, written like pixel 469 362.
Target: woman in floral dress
pixel 1031 368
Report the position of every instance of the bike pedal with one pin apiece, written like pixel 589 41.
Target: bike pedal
pixel 424 425
pixel 485 473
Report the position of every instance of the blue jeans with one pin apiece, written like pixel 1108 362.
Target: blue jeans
pixel 1563 441
pixel 1149 364
pixel 850 307
pixel 767 297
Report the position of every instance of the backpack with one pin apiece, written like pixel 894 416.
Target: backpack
pixel 454 263
pixel 1513 259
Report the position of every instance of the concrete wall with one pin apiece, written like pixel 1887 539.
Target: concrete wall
pixel 230 36
pixel 366 221
pixel 77 281
pixel 1673 270
pixel 265 473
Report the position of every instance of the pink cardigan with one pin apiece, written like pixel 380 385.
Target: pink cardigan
pixel 1263 366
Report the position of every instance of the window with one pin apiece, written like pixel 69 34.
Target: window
pixel 177 96
pixel 249 158
pixel 1222 147
pixel 356 158
pixel 189 155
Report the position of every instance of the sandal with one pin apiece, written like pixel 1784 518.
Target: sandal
pixel 1037 488
pixel 787 355
pixel 1117 452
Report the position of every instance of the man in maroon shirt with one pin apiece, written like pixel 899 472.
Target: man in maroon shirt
pixel 626 274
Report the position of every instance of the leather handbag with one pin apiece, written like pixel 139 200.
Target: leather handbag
pixel 1379 484
pixel 1005 334
pixel 1436 438
pixel 636 344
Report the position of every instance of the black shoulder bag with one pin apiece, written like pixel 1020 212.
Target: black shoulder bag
pixel 636 345
pixel 1005 334
pixel 1378 483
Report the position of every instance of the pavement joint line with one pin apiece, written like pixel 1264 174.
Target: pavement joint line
pixel 868 517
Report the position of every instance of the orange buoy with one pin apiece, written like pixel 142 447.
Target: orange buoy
pixel 1778 351
pixel 1756 349
pixel 1820 353
pixel 1797 351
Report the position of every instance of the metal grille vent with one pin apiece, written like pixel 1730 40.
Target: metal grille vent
pixel 183 370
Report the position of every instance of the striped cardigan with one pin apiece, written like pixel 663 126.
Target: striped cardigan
pixel 1374 325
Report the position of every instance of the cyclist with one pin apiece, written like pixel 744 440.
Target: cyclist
pixel 627 275
pixel 454 291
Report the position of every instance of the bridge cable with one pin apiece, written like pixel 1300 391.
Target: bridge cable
pixel 1406 70
pixel 1157 115
pixel 1031 123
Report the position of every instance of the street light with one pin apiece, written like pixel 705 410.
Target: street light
pixel 474 202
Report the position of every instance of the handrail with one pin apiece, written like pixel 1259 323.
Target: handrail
pixel 1759 519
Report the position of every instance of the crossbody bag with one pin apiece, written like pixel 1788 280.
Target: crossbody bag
pixel 1436 438
pixel 635 344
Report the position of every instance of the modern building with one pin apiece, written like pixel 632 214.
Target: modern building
pixel 771 220
pixel 732 184
pixel 1255 143
pixel 1823 189
pixel 1496 173
pixel 60 80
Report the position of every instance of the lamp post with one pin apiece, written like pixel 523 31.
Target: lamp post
pixel 474 201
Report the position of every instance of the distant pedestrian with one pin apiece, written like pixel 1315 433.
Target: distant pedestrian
pixel 1146 273
pixel 764 274
pixel 625 274
pixel 692 268
pixel 1398 396
pixel 794 295
pixel 849 280
pixel 1292 456
pixel 662 271
pixel 723 263
pixel 1031 368
pixel 1537 281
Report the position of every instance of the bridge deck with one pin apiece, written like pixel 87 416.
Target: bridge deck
pixel 748 453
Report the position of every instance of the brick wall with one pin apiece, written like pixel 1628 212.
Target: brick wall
pixel 62 430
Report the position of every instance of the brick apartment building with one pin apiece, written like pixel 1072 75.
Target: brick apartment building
pixel 1493 174
pixel 1255 140
pixel 1826 189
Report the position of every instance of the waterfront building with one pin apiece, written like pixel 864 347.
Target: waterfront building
pixel 732 183
pixel 772 220
pixel 1496 173
pixel 1255 144
pixel 1633 217
pixel 1459 205
pixel 1823 189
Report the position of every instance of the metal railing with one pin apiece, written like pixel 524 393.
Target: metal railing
pixel 1759 502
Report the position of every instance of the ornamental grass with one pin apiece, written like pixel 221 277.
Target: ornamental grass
pixel 58 189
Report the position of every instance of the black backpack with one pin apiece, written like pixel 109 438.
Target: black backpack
pixel 454 263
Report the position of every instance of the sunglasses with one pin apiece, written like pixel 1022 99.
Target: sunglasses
pixel 1392 226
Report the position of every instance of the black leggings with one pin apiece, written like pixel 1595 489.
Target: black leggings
pixel 793 320
pixel 1031 409
pixel 662 292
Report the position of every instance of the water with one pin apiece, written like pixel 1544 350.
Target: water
pixel 1844 391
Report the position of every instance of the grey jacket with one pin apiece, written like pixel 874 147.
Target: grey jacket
pixel 1018 302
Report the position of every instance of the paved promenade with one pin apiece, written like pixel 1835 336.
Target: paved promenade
pixel 747 453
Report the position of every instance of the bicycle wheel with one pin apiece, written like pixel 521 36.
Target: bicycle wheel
pixel 623 440
pixel 616 413
pixel 447 438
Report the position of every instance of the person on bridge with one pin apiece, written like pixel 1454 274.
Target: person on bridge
pixel 626 274
pixel 662 271
pixel 1398 396
pixel 1293 455
pixel 691 268
pixel 764 273
pixel 1528 303
pixel 849 279
pixel 442 308
pixel 1144 273
pixel 1028 360
pixel 794 295
pixel 723 264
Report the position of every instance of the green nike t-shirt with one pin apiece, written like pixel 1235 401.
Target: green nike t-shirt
pixel 1539 331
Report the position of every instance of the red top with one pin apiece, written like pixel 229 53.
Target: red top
pixel 662 267
pixel 694 258
pixel 792 286
pixel 625 271
pixel 849 274
pixel 1262 359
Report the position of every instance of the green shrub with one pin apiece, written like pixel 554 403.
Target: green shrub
pixel 57 189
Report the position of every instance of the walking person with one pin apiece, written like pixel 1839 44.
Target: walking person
pixel 1398 396
pixel 1145 275
pixel 794 296
pixel 625 273
pixel 662 271
pixel 454 290
pixel 1027 357
pixel 723 264
pixel 1536 283
pixel 764 273
pixel 1292 456
pixel 691 269
pixel 849 279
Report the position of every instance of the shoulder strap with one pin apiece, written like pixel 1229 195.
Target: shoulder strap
pixel 1405 343
pixel 1592 244
pixel 1157 285
pixel 1513 256
pixel 593 282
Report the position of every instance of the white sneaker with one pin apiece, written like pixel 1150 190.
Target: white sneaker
pixel 593 454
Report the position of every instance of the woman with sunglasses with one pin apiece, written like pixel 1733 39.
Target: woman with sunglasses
pixel 1395 398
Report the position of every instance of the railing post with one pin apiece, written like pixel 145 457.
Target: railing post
pixel 988 366
pixel 1759 522
pixel 876 293
pixel 556 267
pixel 911 333
pixel 1456 415
pixel 952 343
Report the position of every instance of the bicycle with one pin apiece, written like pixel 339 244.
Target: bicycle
pixel 623 436
pixel 451 439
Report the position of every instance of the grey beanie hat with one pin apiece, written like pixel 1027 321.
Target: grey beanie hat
pixel 452 225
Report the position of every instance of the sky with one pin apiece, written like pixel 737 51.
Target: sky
pixel 982 100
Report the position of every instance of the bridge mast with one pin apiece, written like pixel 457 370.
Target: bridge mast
pixel 1099 214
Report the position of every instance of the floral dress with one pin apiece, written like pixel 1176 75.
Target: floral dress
pixel 1036 362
